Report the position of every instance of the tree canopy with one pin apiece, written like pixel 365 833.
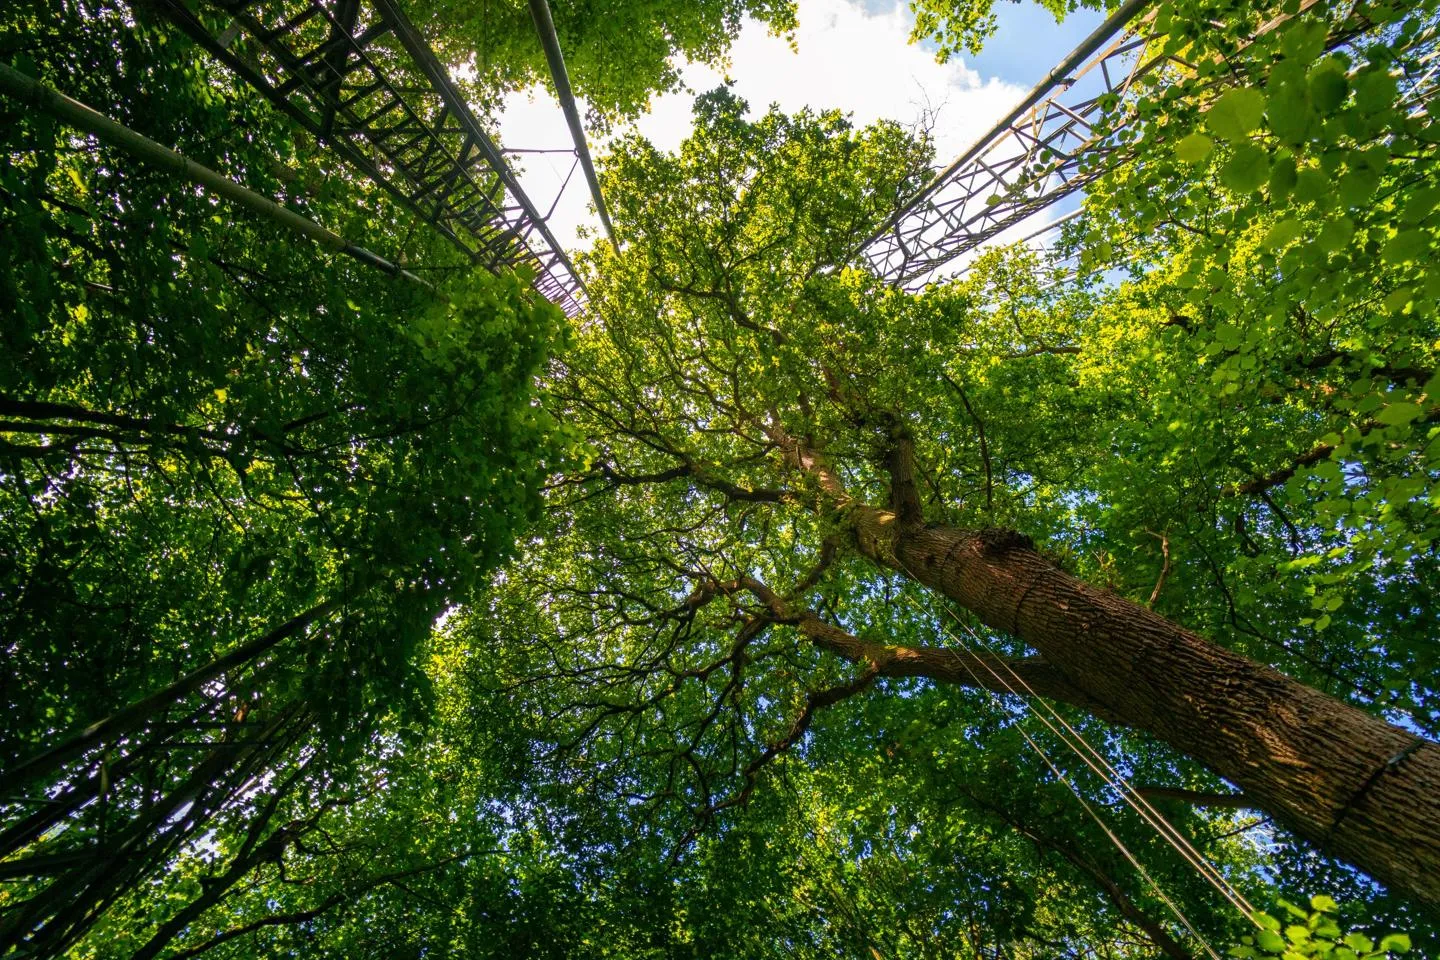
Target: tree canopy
pixel 618 54
pixel 1079 604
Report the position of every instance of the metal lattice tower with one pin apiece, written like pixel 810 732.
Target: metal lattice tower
pixel 1030 160
pixel 1049 147
pixel 358 76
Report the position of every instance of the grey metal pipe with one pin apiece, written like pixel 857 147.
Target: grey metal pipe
pixel 30 91
pixel 545 27
pixel 439 78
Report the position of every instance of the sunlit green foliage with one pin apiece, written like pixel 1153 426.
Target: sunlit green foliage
pixel 1315 934
pixel 1280 341
pixel 201 410
pixel 1088 414
pixel 209 427
pixel 617 54
pixel 958 26
pixel 585 746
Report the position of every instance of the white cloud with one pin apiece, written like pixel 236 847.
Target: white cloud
pixel 859 62
pixel 845 58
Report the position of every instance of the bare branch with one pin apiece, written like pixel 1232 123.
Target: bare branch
pixel 984 444
pixel 1275 478
pixel 941 664
pixel 1164 566
pixel 812 577
pixel 1309 458
pixel 805 458
pixel 325 906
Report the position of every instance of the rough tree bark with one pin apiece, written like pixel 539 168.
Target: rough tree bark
pixel 1356 787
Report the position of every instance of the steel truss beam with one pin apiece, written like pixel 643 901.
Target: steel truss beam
pixel 1048 148
pixel 358 76
pixel 1045 149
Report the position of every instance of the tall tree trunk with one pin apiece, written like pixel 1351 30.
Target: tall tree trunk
pixel 1356 787
pixel 55 918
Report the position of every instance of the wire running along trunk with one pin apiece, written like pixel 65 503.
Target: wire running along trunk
pixel 1358 788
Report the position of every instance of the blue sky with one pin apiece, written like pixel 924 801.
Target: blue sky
pixel 1029 42
pixel 853 55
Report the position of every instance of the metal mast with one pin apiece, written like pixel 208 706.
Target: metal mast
pixel 1049 147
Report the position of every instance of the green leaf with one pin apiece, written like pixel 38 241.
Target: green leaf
pixel 1194 148
pixel 1303 41
pixel 1247 170
pixel 1328 85
pixel 1404 247
pixel 1236 114
pixel 1399 299
pixel 1289 114
pixel 1270 941
pixel 1396 943
pixel 1357 186
pixel 1311 184
pixel 1323 904
pixel 1335 234
pixel 1359 942
pixel 1419 203
pixel 1399 414
pixel 1282 234
pixel 1375 91
pixel 1283 177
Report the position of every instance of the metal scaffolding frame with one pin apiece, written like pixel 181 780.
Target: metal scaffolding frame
pixel 1049 147
pixel 1042 151
pixel 359 77
pixel 30 91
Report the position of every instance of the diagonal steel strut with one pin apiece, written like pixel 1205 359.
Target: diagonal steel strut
pixel 1048 148
pixel 1028 161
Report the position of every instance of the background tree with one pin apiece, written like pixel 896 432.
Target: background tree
pixel 751 405
pixel 617 54
pixel 240 485
pixel 1279 319
pixel 239 480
